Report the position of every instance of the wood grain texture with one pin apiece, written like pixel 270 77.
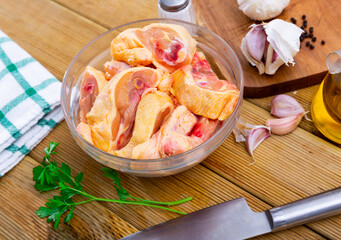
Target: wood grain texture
pixel 224 18
pixel 50 33
pixel 18 206
pixel 113 13
pixel 53 33
pixel 293 166
pixel 205 186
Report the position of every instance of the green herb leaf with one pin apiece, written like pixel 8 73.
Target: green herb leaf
pixel 68 193
pixel 69 216
pixel 56 221
pixel 37 171
pixel 45 212
pixel 49 150
pixel 50 176
pixel 45 187
pixel 111 173
pixel 79 178
pixel 66 169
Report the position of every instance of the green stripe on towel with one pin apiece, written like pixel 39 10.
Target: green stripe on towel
pixel 29 90
pixel 13 148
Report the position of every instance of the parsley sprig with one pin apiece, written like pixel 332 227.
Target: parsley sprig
pixel 49 176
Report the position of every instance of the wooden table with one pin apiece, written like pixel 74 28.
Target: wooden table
pixel 288 168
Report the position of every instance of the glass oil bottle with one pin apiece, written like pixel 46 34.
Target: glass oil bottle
pixel 326 105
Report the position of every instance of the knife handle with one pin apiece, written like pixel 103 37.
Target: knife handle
pixel 309 209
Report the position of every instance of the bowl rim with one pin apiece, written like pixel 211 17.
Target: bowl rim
pixel 151 20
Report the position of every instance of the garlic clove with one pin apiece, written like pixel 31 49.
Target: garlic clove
pixel 256 136
pixel 268 54
pixel 284 125
pixel 273 66
pixel 284 106
pixel 284 37
pixel 245 128
pixel 272 61
pixel 251 60
pixel 255 42
pixel 253 135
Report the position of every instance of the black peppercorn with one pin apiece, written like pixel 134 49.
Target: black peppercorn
pixel 311 30
pixel 323 42
pixel 301 38
pixel 311 35
pixel 311 46
pixel 302 27
pixel 293 20
pixel 313 39
pixel 303 17
pixel 305 22
pixel 307 43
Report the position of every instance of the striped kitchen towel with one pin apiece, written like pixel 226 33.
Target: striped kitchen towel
pixel 29 103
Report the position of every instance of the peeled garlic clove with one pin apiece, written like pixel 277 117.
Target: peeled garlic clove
pixel 256 136
pixel 285 125
pixel 284 106
pixel 262 9
pixel 284 37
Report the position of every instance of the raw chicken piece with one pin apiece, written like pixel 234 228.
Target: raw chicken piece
pixel 199 89
pixel 93 82
pixel 198 56
pixel 166 82
pixel 175 101
pixel 175 143
pixel 84 130
pixel 181 121
pixel 111 119
pixel 167 46
pixel 147 150
pixel 204 129
pixel 113 67
pixel 128 48
pixel 151 112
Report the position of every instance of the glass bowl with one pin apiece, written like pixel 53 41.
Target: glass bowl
pixel 223 61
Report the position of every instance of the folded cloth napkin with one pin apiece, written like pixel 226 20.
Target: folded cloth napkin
pixel 29 103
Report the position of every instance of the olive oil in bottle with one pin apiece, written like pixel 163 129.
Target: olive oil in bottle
pixel 326 105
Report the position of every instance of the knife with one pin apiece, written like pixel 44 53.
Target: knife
pixel 235 220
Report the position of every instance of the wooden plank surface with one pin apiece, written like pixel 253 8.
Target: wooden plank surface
pixel 54 35
pixel 18 219
pixel 224 18
pixel 49 32
pixel 198 182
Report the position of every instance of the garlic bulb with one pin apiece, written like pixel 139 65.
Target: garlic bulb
pixel 269 45
pixel 262 9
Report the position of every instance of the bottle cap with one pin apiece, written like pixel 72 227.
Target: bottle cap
pixel 334 62
pixel 173 5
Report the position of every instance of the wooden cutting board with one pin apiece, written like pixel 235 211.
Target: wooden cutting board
pixel 225 19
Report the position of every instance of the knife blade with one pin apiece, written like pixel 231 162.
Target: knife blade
pixel 234 220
